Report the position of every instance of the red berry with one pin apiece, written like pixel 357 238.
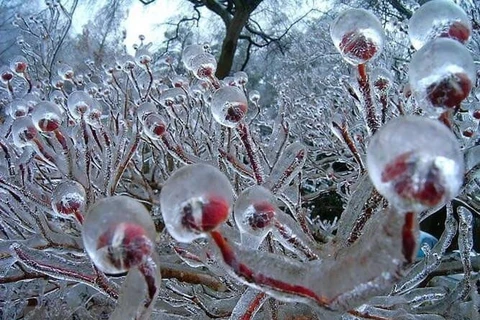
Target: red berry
pixel 457 31
pixel 48 125
pixel 20 67
pixel 236 112
pixel 428 190
pixel 263 215
pixel 355 44
pixel 127 245
pixel 396 168
pixel 205 215
pixel 450 91
pixel 476 114
pixel 7 76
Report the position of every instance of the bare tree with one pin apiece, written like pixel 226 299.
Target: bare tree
pixel 240 24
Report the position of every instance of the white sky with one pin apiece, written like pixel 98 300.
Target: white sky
pixel 142 19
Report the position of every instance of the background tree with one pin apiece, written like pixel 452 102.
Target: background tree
pixel 245 20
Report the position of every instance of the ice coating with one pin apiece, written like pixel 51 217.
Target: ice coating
pixel 191 52
pixel 203 65
pixel 145 109
pixel 68 198
pixel 358 35
pixel 254 212
pixel 442 73
pixel 118 233
pixel 17 108
pixel 415 163
pixel 172 100
pixel 229 106
pixel 79 103
pixel 154 126
pixel 23 132
pixel 47 116
pixel 289 164
pixel 439 18
pixel 382 79
pixel 19 64
pixel 195 200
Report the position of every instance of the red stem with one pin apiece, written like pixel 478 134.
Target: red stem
pixel 245 272
pixel 365 89
pixel 252 155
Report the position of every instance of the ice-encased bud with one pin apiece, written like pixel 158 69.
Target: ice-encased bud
pixel 254 211
pixel 241 77
pixel 143 56
pixel 382 80
pixel 68 199
pixel 94 115
pixel 172 100
pixel 47 116
pixel 195 200
pixel 439 19
pixel 154 126
pixel 203 65
pixel 118 234
pixel 415 163
pixel 145 109
pixel 358 35
pixel 79 104
pixel 19 64
pixel 254 96
pixel 229 106
pixel 23 132
pixel 189 53
pixel 17 108
pixel 65 71
pixel 6 75
pixel 442 73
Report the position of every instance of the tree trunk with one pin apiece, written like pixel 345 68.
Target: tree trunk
pixel 230 42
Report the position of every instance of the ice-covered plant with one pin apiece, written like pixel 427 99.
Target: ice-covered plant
pixel 133 191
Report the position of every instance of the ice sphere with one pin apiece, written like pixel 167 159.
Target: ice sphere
pixel 154 126
pixel 68 199
pixel 382 79
pixel 189 53
pixel 439 19
pixel 65 71
pixel 241 78
pixel 17 108
pixel 442 73
pixel 358 35
pixel 229 106
pixel 118 234
pixel 47 116
pixel 79 103
pixel 203 65
pixel 145 109
pixel 415 163
pixel 19 64
pixel 195 200
pixel 6 75
pixel 254 211
pixel 172 100
pixel 143 56
pixel 254 96
pixel 23 132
